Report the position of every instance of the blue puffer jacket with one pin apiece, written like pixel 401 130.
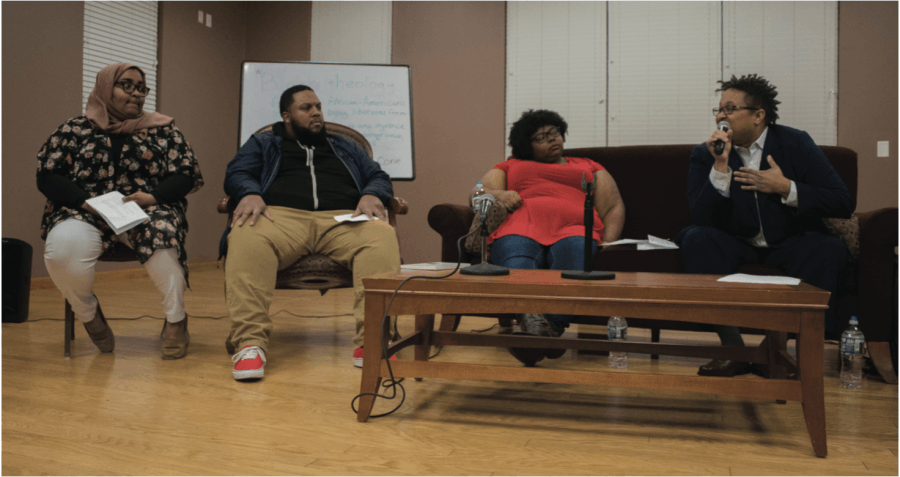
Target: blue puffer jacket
pixel 256 164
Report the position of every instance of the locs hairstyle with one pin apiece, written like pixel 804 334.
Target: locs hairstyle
pixel 531 120
pixel 760 93
pixel 287 98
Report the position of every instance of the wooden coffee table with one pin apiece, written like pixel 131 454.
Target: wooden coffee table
pixel 778 309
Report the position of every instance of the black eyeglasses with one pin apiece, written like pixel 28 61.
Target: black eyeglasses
pixel 128 87
pixel 543 137
pixel 728 110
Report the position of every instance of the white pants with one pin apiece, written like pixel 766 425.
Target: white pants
pixel 70 253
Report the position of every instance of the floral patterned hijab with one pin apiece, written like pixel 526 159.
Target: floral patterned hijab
pixel 105 117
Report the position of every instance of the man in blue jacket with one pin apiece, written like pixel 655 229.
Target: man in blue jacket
pixel 287 185
pixel 761 199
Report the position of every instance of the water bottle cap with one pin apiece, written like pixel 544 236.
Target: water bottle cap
pixel 853 320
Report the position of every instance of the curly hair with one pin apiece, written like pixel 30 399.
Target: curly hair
pixel 528 124
pixel 287 98
pixel 760 93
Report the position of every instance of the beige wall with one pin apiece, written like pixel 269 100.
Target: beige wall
pixel 278 31
pixel 456 51
pixel 867 97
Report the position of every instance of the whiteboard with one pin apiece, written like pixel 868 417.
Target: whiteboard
pixel 375 100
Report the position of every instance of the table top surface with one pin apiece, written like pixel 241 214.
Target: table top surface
pixel 625 286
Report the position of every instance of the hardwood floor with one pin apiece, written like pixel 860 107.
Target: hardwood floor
pixel 130 413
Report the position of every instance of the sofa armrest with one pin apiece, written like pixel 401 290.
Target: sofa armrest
pixel 877 239
pixel 451 221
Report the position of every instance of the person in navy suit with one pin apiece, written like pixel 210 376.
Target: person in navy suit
pixel 761 200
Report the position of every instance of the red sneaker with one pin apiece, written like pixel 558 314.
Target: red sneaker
pixel 358 356
pixel 249 363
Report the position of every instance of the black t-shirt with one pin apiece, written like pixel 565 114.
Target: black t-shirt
pixel 326 184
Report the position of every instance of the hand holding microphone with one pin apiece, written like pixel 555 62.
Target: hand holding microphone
pixel 719 145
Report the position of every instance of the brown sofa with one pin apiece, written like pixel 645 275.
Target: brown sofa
pixel 652 181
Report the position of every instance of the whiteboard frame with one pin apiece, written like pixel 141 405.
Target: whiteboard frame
pixel 412 142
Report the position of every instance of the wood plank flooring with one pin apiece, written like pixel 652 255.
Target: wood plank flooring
pixel 130 413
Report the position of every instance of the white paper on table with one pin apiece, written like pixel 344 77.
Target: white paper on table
pixel 623 242
pixel 120 216
pixel 350 218
pixel 656 243
pixel 770 279
pixel 433 266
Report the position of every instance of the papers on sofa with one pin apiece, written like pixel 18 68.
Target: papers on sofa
pixel 432 266
pixel 770 279
pixel 652 243
pixel 350 218
pixel 121 216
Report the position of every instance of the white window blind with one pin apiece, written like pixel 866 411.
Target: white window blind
pixel 556 59
pixel 664 61
pixel 663 66
pixel 351 32
pixel 794 46
pixel 120 32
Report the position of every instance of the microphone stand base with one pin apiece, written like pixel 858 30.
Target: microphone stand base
pixel 582 275
pixel 485 269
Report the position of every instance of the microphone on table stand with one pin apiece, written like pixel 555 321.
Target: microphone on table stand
pixel 588 273
pixel 482 202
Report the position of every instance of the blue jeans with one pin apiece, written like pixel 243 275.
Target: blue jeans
pixel 516 251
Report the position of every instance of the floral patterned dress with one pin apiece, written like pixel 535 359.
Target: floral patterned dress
pixel 82 153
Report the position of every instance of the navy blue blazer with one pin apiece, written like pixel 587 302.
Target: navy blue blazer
pixel 820 190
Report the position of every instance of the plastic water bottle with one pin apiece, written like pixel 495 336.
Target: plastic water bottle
pixel 852 357
pixel 477 192
pixel 617 330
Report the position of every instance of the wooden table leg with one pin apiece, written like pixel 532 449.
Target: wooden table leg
pixel 424 325
pixel 372 354
pixel 810 352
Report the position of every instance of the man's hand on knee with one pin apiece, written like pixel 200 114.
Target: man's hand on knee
pixel 372 207
pixel 251 206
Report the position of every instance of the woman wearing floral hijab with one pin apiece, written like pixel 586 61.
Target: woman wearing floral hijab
pixel 115 146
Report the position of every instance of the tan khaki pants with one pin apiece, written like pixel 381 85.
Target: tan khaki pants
pixel 256 253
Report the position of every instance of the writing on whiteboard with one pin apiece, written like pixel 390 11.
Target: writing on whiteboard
pixel 372 99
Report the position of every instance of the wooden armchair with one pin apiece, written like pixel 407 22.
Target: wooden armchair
pixel 317 271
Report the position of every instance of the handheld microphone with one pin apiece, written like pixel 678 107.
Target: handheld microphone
pixel 719 145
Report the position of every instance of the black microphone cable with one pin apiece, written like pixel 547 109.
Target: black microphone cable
pixel 394 383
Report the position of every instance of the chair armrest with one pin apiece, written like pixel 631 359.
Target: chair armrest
pixel 222 206
pixel 398 206
pixel 877 239
pixel 451 221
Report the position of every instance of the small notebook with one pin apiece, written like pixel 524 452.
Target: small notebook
pixel 121 216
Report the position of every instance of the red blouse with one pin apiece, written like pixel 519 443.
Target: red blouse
pixel 552 200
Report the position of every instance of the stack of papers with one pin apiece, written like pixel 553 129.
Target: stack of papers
pixel 120 216
pixel 652 243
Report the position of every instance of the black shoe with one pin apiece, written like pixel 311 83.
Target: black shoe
pixel 527 356
pixel 724 368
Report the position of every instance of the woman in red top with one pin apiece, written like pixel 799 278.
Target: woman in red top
pixel 542 191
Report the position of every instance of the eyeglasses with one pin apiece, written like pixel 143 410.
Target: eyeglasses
pixel 728 110
pixel 543 137
pixel 128 87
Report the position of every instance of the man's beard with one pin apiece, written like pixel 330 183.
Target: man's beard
pixel 308 137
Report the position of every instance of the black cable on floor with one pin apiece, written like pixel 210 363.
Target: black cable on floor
pixel 393 383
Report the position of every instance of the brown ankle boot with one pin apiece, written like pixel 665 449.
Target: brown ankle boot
pixel 102 337
pixel 175 348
